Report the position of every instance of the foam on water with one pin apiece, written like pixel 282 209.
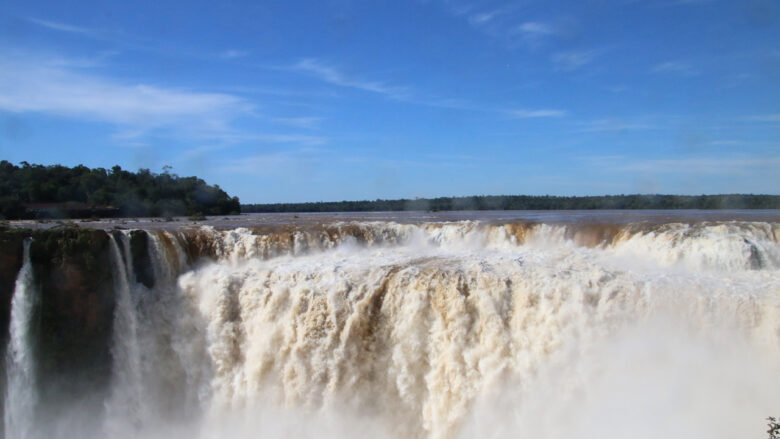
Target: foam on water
pixel 442 330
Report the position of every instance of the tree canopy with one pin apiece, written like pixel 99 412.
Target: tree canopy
pixel 35 191
pixel 528 202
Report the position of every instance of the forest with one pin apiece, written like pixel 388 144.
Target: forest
pixel 528 202
pixel 33 191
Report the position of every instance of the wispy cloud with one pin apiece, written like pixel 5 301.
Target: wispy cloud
pixel 676 68
pixel 702 165
pixel 734 164
pixel 763 118
pixel 727 143
pixel 334 76
pixel 528 114
pixel 535 28
pixel 45 85
pixel 62 27
pixel 299 122
pixel 534 34
pixel 233 53
pixel 483 18
pixel 573 60
pixel 691 2
pixel 611 124
pixel 299 139
pixel 284 162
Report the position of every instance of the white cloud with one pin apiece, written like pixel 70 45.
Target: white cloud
pixel 615 125
pixel 573 60
pixel 536 29
pixel 533 33
pixel 762 168
pixel 282 163
pixel 334 76
pixel 728 143
pixel 675 67
pixel 300 139
pixel 526 114
pixel 43 85
pixel 299 122
pixel 702 165
pixel 60 26
pixel 485 17
pixel 764 118
pixel 233 53
pixel 691 2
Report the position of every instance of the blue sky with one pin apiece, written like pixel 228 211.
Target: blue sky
pixel 338 99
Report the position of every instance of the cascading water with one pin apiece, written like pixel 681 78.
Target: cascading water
pixel 21 394
pixel 125 405
pixel 444 330
pixel 418 326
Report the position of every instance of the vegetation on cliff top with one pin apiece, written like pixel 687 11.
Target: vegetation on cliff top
pixel 37 191
pixel 527 202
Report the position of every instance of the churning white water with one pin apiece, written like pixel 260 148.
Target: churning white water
pixel 21 395
pixel 445 330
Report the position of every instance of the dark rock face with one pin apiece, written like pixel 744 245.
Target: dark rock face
pixel 142 263
pixel 74 314
pixel 73 311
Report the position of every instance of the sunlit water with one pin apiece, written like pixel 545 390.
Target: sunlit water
pixel 638 326
pixel 21 395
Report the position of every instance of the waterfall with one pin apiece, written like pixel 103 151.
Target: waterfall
pixel 435 331
pixel 21 394
pixel 124 406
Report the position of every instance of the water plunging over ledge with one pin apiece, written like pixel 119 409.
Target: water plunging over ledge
pixel 582 324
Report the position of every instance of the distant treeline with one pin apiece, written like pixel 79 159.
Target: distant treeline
pixel 527 202
pixel 37 191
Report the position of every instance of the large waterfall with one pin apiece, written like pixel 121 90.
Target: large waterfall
pixel 21 395
pixel 123 409
pixel 435 330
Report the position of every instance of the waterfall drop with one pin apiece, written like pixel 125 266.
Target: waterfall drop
pixel 21 394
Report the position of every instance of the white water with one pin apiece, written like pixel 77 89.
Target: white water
pixel 452 330
pixel 431 330
pixel 125 405
pixel 21 395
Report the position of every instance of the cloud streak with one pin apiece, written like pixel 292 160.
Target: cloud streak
pixel 299 122
pixel 534 28
pixel 605 125
pixel 233 53
pixel 483 18
pixel 62 27
pixel 334 76
pixel 769 118
pixel 702 165
pixel 573 60
pixel 676 68
pixel 533 114
pixel 282 163
pixel 42 85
